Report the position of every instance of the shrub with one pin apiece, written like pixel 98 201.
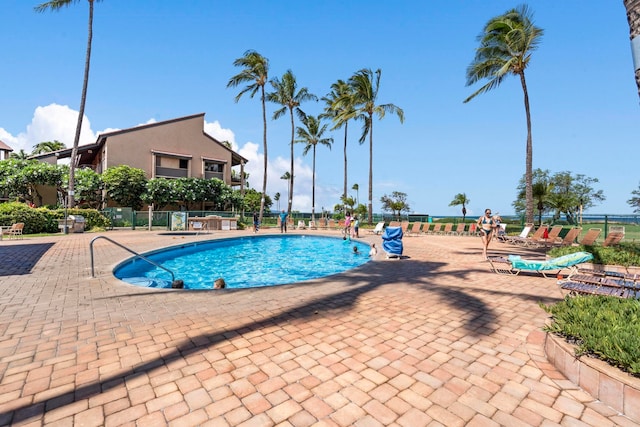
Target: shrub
pixel 624 254
pixel 43 220
pixel 35 220
pixel 604 327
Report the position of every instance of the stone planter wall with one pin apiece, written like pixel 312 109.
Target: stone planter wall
pixel 613 387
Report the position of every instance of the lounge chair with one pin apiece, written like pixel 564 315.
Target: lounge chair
pixel 405 226
pixel 592 282
pixel 524 234
pixel 379 228
pixel 459 231
pixel 614 238
pixel 332 224
pixel 514 264
pixel 570 238
pixel 590 237
pixel 392 242
pixel 473 229
pixel 448 229
pixel 537 239
pixel 554 234
pixel 14 232
pixel 415 229
pixel 425 228
pixel 436 228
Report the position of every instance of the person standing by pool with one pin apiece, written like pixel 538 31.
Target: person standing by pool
pixel 347 224
pixel 356 227
pixel 256 222
pixel 486 225
pixel 283 221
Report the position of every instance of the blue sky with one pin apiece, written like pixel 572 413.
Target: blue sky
pixel 158 60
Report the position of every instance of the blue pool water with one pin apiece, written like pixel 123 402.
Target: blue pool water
pixel 246 262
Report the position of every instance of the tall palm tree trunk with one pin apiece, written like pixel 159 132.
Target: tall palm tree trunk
pixel 83 100
pixel 313 188
pixel 292 161
pixel 264 146
pixel 633 17
pixel 370 201
pixel 528 189
pixel 344 193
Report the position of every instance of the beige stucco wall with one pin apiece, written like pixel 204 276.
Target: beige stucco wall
pixel 184 137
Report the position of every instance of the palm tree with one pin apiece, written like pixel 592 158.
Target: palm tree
pixel 276 197
pixel 633 17
pixel 285 94
pixel 311 135
pixel 21 155
pixel 255 70
pixel 339 108
pixel 541 192
pixel 57 5
pixel 506 45
pixel 287 176
pixel 356 187
pixel 461 199
pixel 48 147
pixel 366 84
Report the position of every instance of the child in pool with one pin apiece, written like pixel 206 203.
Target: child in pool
pixel 374 251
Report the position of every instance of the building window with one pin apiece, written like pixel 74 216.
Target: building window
pixel 213 170
pixel 171 167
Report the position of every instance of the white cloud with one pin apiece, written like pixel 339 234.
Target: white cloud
pixel 58 122
pixel 50 123
pixel 218 132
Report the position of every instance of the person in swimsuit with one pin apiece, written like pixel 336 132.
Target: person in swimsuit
pixel 486 225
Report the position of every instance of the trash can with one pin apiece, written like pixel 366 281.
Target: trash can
pixel 77 223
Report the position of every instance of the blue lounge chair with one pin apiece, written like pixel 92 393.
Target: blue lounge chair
pixel 514 264
pixel 392 242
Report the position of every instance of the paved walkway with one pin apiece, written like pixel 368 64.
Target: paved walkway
pixel 434 339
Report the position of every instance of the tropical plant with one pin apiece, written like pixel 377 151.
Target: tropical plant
pixel 396 203
pixel 339 108
pixel 252 200
pixel 634 202
pixel 276 197
pixel 20 155
pixel 285 94
pixel 89 188
pixel 47 147
pixel 461 199
pixel 356 187
pixel 159 192
pixel 311 135
pixel 366 85
pixel 57 5
pixel 561 193
pixel 125 185
pixel 287 176
pixel 255 73
pixel 633 17
pixel 506 45
pixel 21 179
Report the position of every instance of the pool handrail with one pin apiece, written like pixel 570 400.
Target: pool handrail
pixel 173 277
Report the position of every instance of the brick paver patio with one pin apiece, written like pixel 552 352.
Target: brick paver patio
pixel 434 339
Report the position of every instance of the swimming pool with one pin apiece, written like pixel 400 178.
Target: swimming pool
pixel 246 262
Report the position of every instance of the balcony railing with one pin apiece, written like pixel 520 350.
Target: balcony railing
pixel 171 172
pixel 211 175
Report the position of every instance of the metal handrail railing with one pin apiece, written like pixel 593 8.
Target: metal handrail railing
pixel 173 277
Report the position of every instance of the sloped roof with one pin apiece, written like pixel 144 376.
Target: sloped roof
pixel 5 147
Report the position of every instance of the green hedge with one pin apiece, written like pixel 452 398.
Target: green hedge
pixel 43 220
pixel 604 327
